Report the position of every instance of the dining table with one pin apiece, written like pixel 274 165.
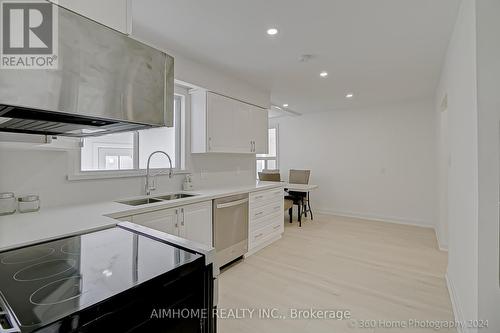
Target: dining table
pixel 303 188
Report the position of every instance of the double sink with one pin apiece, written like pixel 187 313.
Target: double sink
pixel 147 201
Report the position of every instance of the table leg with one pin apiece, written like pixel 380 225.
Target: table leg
pixel 304 207
pixel 309 204
pixel 300 215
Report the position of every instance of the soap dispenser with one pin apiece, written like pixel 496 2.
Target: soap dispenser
pixel 187 185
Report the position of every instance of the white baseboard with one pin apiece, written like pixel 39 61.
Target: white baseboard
pixel 441 246
pixel 390 219
pixel 422 224
pixel 456 304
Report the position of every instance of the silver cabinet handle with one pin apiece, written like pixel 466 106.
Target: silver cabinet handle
pixel 182 212
pixel 259 235
pixel 209 143
pixel 276 227
pixel 232 203
pixel 259 197
pixel 259 213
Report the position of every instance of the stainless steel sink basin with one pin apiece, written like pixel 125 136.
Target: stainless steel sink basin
pixel 139 202
pixel 174 196
pixel 147 201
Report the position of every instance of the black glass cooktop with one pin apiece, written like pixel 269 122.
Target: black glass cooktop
pixel 46 282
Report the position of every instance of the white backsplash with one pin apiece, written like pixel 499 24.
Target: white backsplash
pixel 44 172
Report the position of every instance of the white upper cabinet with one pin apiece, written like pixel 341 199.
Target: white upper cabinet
pixel 259 126
pixel 116 14
pixel 221 124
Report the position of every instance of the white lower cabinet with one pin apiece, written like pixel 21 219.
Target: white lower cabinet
pixel 266 218
pixel 196 223
pixel 193 222
pixel 162 220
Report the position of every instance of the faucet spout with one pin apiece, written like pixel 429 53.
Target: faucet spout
pixel 150 188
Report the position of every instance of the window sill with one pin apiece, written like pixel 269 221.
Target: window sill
pixel 94 175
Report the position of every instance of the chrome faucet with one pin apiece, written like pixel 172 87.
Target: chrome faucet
pixel 152 187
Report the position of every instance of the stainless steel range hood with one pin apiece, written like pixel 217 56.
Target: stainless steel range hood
pixel 106 82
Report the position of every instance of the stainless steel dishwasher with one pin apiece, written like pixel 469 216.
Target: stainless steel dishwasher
pixel 230 228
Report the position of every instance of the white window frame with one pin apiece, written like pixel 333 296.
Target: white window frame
pixel 269 158
pixel 180 151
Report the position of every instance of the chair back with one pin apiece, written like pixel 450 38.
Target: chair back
pixel 299 176
pixel 271 171
pixel 269 177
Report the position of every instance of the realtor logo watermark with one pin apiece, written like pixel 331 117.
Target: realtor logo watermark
pixel 29 33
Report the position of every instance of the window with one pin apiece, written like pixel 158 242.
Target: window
pixel 269 161
pixel 130 150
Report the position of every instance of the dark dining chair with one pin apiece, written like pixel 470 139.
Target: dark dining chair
pixel 300 199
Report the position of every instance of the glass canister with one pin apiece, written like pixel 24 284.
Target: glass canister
pixel 28 203
pixel 7 203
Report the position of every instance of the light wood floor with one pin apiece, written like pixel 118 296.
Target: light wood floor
pixel 377 271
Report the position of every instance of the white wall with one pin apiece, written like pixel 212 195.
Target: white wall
pixel 377 163
pixel 488 98
pixel 443 160
pixel 458 83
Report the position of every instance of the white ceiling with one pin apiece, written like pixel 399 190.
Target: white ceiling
pixel 381 50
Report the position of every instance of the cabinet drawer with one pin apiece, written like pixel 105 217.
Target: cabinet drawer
pixel 261 235
pixel 263 198
pixel 265 221
pixel 263 211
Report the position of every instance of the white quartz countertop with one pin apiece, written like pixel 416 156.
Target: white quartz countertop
pixel 23 229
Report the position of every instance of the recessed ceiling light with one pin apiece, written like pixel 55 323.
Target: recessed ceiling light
pixel 323 74
pixel 272 31
pixel 349 95
pixel 285 105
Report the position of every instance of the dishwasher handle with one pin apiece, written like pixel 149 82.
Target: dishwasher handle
pixel 232 203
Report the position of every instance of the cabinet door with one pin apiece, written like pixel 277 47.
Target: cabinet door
pixel 115 14
pixel 220 119
pixel 196 222
pixel 260 130
pixel 242 126
pixel 162 220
